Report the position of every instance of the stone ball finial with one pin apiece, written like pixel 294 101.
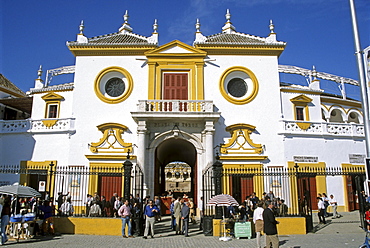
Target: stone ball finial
pixel 82 27
pixel 271 27
pixel 155 26
pixel 197 25
pixel 39 72
pixel 126 16
pixel 228 15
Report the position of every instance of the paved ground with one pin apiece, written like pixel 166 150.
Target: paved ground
pixel 342 232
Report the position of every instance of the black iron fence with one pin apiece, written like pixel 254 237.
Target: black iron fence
pixel 297 186
pixel 76 182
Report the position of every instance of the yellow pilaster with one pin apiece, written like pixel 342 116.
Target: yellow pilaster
pixel 294 209
pixel 151 80
pixel 199 80
pixel 321 180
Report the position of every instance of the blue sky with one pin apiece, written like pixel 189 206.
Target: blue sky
pixel 317 32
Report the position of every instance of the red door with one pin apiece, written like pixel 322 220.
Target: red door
pixel 307 194
pixel 175 87
pixel 108 185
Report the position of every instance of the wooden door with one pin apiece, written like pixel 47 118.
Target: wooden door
pixel 241 187
pixel 175 87
pixel 350 193
pixel 307 194
pixel 110 184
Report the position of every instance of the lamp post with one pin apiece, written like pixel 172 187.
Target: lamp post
pixel 296 166
pixel 127 167
pixel 217 175
pixel 50 178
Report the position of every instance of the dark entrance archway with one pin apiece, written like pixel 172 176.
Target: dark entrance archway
pixel 175 150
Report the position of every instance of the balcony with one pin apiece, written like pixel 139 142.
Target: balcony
pixel 164 109
pixel 63 125
pixel 352 130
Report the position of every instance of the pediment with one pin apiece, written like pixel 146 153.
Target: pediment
pixel 176 48
pixel 301 99
pixel 52 97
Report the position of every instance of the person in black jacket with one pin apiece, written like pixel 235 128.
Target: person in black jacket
pixel 269 226
pixel 185 212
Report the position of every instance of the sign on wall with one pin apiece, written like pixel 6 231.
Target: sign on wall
pixel 42 185
pixel 306 159
pixel 356 158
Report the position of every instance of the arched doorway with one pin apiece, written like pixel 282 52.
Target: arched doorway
pixel 181 152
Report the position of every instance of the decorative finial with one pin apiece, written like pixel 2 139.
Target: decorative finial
pixel 228 28
pixel 125 17
pixel 155 26
pixel 39 72
pixel 271 27
pixel 228 15
pixel 125 26
pixel 197 26
pixel 82 27
pixel 314 72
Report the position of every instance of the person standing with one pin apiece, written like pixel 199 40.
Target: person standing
pixel 157 202
pixel 321 208
pixel 177 214
pixel 269 226
pixel 112 201
pixel 60 200
pixel 334 206
pixel 201 213
pixel 149 212
pixel 258 222
pixel 125 212
pixel 185 214
pixel 325 198
pixel 5 215
pixel 173 220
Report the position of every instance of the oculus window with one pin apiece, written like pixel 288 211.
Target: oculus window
pixel 113 85
pixel 238 85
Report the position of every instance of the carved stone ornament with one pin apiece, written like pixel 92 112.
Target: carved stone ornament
pixel 112 141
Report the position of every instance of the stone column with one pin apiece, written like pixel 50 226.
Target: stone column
pixel 141 144
pixel 209 131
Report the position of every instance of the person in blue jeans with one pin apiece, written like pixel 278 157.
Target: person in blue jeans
pixel 125 212
pixel 150 212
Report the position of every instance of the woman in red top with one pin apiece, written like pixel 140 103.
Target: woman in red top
pixel 367 218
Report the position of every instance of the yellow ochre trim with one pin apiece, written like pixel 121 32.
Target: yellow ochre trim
pixel 191 61
pixel 250 96
pixel 110 157
pixel 49 123
pixel 301 101
pixel 124 96
pixel 114 145
pixel 240 136
pixel 52 97
pixel 303 125
pixel 47 108
pixel 243 157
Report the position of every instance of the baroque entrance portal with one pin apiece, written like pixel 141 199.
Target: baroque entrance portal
pixel 175 168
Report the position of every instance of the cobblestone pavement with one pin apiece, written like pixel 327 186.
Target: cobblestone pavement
pixel 342 232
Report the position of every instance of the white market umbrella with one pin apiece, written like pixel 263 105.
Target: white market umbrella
pixel 223 200
pixel 19 190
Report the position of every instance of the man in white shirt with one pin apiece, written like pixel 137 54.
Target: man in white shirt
pixel 321 208
pixel 258 222
pixel 334 205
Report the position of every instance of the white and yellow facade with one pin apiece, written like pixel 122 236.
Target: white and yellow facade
pixel 176 102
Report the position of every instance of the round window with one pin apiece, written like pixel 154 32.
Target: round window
pixel 237 87
pixel 115 87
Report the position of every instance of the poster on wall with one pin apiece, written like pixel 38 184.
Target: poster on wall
pixel 42 185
